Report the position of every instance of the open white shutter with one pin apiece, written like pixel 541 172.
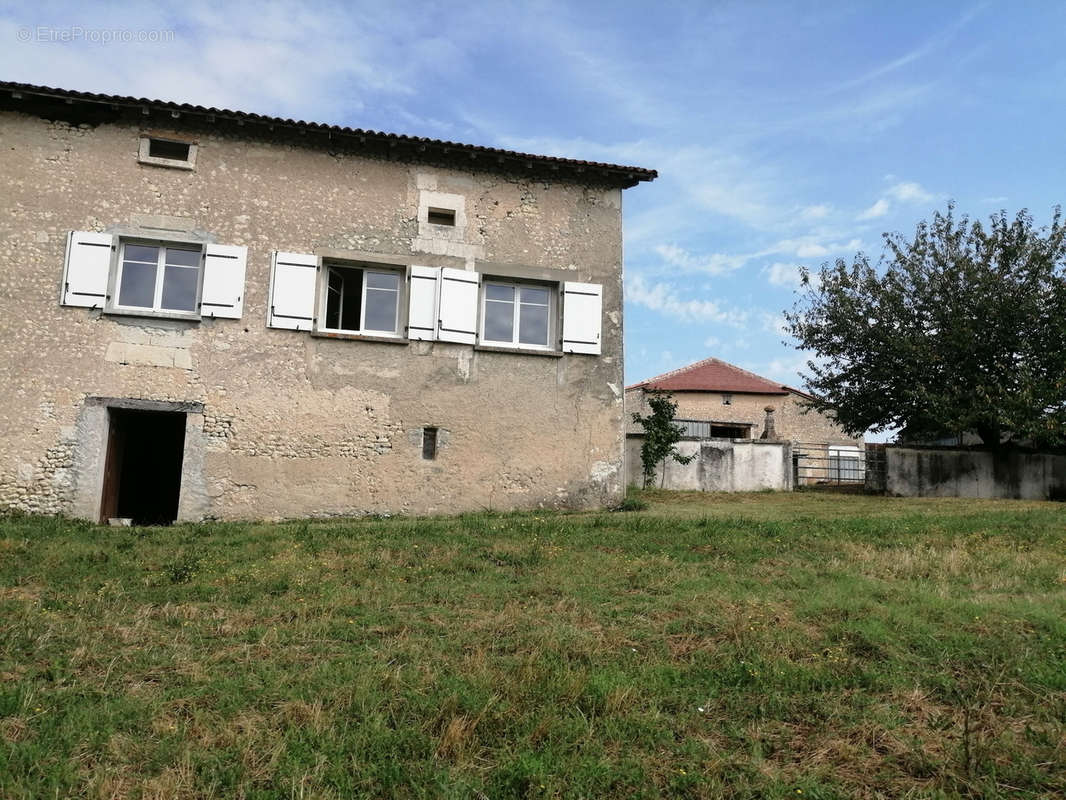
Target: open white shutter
pixel 223 290
pixel 457 320
pixel 87 267
pixel 292 291
pixel 423 302
pixel 582 309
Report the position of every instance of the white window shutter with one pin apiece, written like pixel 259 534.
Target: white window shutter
pixel 457 320
pixel 223 288
pixel 87 268
pixel 423 303
pixel 292 291
pixel 582 310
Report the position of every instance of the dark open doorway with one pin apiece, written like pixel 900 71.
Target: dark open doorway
pixel 142 474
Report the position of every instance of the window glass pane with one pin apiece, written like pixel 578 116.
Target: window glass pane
pixel 179 288
pixel 334 298
pixel 140 252
pixel 532 324
pixel 531 295
pixel 499 321
pixel 380 310
pixel 183 258
pixel 382 280
pixel 344 298
pixel 499 292
pixel 351 298
pixel 138 284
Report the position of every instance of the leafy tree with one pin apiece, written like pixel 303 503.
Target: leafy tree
pixel 961 329
pixel 661 436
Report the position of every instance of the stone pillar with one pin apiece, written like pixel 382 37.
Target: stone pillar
pixel 769 433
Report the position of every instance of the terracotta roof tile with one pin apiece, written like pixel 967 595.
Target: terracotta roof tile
pixel 417 146
pixel 713 375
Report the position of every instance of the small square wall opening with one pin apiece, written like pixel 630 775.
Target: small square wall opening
pixel 441 216
pixel 165 148
pixel 429 443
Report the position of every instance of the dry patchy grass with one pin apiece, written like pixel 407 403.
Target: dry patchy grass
pixel 761 645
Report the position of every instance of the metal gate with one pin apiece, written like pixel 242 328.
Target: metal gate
pixel 829 465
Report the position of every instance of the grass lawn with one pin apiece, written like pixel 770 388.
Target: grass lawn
pixel 762 645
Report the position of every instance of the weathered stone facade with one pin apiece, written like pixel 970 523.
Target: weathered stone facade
pixel 284 423
pixel 792 422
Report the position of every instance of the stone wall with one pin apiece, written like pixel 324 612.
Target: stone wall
pixel 719 466
pixel 293 424
pixel 792 421
pixel 935 472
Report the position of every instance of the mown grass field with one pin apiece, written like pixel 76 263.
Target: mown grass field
pixel 760 645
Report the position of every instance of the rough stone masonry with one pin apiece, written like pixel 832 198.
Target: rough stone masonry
pixel 295 423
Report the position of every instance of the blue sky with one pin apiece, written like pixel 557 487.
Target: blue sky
pixel 785 134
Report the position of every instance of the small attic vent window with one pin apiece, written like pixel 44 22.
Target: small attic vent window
pixel 162 148
pixel 441 216
pixel 167 153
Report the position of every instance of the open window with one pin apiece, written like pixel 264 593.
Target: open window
pixel 360 300
pixel 517 315
pixel 126 275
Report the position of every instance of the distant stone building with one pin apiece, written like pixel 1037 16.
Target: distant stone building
pixel 718 400
pixel 209 314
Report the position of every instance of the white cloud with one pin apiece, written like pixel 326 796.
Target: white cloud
pixel 713 264
pixel 783 274
pixel 909 192
pixel 712 342
pixel 811 250
pixel 314 62
pixel 903 192
pixel 773 323
pixel 810 247
pixel 820 211
pixel 664 298
pixel 788 369
pixel 877 210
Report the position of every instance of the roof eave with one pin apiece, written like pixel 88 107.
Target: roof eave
pixel 415 148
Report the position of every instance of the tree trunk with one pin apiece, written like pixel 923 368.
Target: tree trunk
pixel 990 433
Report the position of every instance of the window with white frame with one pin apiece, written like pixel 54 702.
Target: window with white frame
pixel 361 300
pixel 517 315
pixel 158 277
pixel 127 275
pixel 425 303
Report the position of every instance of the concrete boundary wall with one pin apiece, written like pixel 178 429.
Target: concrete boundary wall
pixel 720 465
pixel 928 472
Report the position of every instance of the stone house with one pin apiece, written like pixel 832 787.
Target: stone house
pixel 718 400
pixel 211 314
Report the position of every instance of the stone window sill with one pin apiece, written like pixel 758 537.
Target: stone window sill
pixel 518 351
pixel 149 313
pixel 360 337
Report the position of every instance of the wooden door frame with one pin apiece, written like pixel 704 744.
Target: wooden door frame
pixel 112 468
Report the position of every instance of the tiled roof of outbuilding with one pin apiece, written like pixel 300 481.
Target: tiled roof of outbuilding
pixel 713 375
